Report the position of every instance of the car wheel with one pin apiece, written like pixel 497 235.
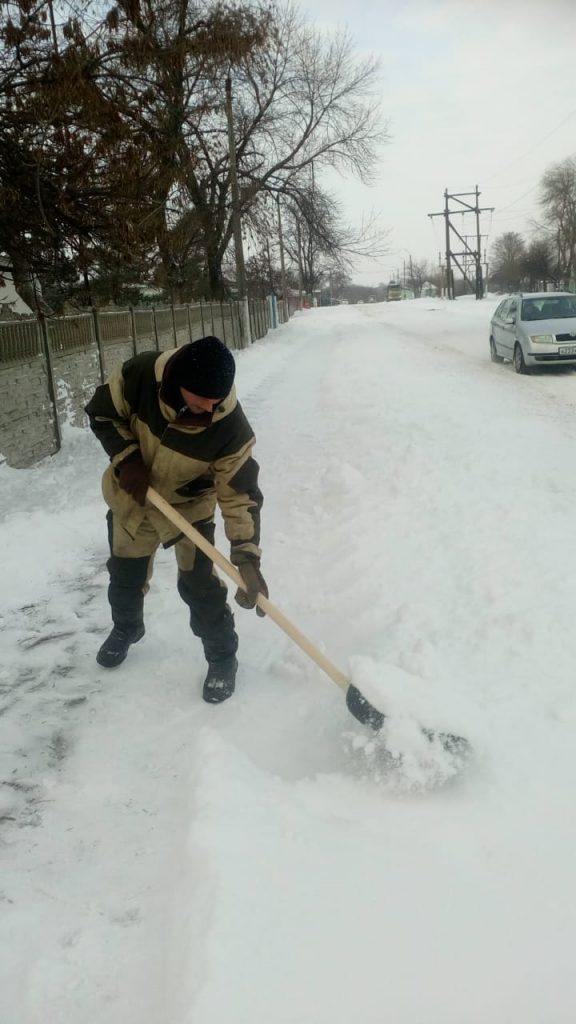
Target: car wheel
pixel 493 353
pixel 519 363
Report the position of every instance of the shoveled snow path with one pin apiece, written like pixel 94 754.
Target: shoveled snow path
pixel 191 864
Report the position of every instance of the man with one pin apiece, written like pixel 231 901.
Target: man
pixel 173 422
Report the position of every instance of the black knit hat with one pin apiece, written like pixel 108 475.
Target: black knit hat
pixel 204 367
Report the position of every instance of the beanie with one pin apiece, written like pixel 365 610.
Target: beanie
pixel 204 367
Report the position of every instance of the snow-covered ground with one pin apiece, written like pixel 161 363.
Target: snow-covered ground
pixel 168 862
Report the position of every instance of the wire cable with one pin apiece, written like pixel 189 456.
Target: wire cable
pixel 535 146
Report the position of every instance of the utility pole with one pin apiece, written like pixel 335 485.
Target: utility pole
pixel 468 255
pixel 299 245
pixel 449 277
pixel 270 274
pixel 479 281
pixel 441 270
pixel 282 264
pixel 236 222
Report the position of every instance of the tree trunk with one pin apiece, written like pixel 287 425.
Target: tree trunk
pixel 215 279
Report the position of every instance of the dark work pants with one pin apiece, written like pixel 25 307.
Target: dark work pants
pixel 130 568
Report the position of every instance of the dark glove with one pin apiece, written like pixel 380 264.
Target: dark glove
pixel 134 478
pixel 255 584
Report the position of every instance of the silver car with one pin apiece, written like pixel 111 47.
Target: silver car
pixel 534 329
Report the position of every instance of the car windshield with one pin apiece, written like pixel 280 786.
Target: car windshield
pixel 552 308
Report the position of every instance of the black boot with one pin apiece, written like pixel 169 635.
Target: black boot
pixel 220 680
pixel 114 650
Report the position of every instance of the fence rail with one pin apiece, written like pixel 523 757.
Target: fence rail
pixel 161 328
pixel 19 339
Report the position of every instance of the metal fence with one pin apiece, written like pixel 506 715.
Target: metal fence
pixel 159 328
pixel 20 339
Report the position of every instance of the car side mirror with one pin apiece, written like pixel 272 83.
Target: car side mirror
pixel 510 319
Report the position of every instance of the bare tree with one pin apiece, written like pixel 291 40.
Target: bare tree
pixel 508 254
pixel 538 264
pixel 300 101
pixel 171 56
pixel 318 242
pixel 420 272
pixel 558 202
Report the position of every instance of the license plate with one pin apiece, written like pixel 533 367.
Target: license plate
pixel 567 350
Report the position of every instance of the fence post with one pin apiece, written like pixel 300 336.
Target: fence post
pixel 174 325
pixel 202 317
pixel 133 319
pixel 223 322
pixel 98 343
pixel 50 376
pixel 232 321
pixel 155 328
pixel 189 322
pixel 246 324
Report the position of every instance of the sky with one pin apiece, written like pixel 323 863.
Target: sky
pixel 165 861
pixel 474 92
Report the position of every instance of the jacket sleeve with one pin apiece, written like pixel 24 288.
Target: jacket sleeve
pixel 240 500
pixel 109 416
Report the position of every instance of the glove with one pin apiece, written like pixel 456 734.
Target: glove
pixel 134 478
pixel 255 584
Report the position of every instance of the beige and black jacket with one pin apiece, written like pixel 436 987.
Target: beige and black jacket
pixel 191 466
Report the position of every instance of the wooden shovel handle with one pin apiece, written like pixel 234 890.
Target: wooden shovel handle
pixel 270 609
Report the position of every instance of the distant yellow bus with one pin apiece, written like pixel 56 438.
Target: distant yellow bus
pixel 393 292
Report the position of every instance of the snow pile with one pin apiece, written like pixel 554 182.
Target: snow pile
pixel 408 754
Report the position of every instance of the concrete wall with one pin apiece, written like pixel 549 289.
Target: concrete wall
pixel 115 355
pixel 76 375
pixel 27 428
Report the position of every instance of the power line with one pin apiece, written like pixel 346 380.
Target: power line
pixel 520 198
pixel 535 146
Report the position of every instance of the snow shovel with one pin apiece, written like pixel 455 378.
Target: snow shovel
pixel 357 704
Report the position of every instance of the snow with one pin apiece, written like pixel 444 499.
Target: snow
pixel 9 297
pixel 164 861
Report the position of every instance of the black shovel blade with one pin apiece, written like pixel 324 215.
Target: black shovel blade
pixel 363 710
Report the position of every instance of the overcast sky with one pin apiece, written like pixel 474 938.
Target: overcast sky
pixel 475 92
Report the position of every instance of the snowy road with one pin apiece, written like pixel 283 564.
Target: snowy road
pixel 167 862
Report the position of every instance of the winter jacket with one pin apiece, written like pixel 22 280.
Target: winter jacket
pixel 194 461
